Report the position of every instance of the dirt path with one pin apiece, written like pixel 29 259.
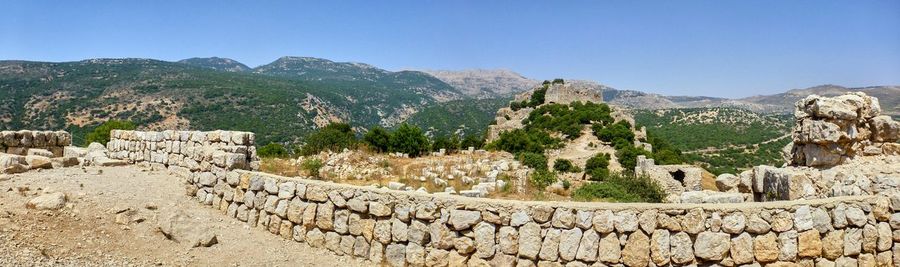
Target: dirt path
pixel 85 232
pixel 580 150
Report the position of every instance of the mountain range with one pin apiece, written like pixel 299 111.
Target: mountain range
pixel 284 100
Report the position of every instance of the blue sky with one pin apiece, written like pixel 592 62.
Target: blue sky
pixel 714 48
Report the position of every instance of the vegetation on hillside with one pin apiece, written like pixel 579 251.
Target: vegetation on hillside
pixel 457 117
pixel 101 133
pixel 621 187
pixel 719 139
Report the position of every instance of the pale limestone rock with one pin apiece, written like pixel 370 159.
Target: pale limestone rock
pixel 588 247
pixel 418 232
pixel 399 231
pixel 550 246
pixel 463 219
pixel 682 248
pixel 852 242
pixel 583 219
pixel 519 218
pixel 647 220
pixel 694 221
pixel 610 250
pixel 659 247
pixel 437 257
pixel 787 243
pixel 395 255
pixel 563 218
pixel 464 245
pixel 637 250
pixel 626 221
pixel 568 243
pixel 484 240
pixel 415 254
pixel 712 246
pixel 508 238
pixel 742 249
pixel 603 221
pixel 530 240
pixel 782 221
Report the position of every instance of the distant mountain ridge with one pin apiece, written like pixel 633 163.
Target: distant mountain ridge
pixel 480 83
pixel 216 63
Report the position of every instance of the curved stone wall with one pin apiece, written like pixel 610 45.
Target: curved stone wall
pixel 407 228
pixel 186 152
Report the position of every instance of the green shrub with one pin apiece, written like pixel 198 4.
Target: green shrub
pixel 599 174
pixel 564 165
pixel 598 161
pixel 312 166
pixel 472 141
pixel 627 156
pixel 272 150
pixel 566 184
pixel 101 133
pixel 540 179
pixel 334 137
pixel 621 188
pixel 450 144
pixel 534 160
pixel 558 81
pixel 378 139
pixel 520 140
pixel 618 133
pixel 410 140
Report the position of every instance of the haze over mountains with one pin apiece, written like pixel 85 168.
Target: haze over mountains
pixel 289 97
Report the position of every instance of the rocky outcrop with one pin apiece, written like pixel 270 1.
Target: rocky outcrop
pixel 830 130
pixel 508 119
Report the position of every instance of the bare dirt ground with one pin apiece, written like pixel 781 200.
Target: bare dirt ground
pixel 86 231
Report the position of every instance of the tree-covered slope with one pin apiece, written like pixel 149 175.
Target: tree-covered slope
pixel 721 139
pixel 464 117
pixel 170 95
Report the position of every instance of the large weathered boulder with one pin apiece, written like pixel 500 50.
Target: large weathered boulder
pixel 51 201
pixel 181 227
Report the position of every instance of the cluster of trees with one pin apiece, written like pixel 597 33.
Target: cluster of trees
pixel 568 119
pixel 101 133
pixel 406 138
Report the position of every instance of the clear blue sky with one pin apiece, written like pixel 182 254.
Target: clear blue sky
pixel 715 48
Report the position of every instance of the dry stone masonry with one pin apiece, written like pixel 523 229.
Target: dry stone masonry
pixel 413 229
pixel 21 142
pixel 189 153
pixel 25 150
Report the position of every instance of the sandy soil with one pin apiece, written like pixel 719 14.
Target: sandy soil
pixel 86 231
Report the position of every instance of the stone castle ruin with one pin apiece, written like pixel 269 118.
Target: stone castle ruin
pixel 846 214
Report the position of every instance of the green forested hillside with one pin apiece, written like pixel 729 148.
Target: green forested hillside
pixel 167 95
pixel 466 116
pixel 721 139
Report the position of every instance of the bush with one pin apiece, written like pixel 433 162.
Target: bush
pixel 618 133
pixel 442 142
pixel 272 150
pixel 558 81
pixel 410 140
pixel 534 160
pixel 564 165
pixel 599 174
pixel 101 133
pixel 542 178
pixel 621 188
pixel 627 156
pixel 334 137
pixel 312 166
pixel 598 161
pixel 378 139
pixel 472 141
pixel 520 140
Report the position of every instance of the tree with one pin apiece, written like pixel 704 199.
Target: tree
pixel 333 137
pixel 410 140
pixel 272 150
pixel 101 133
pixel 378 139
pixel 472 141
pixel 565 165
pixel 534 160
pixel 558 81
pixel 450 144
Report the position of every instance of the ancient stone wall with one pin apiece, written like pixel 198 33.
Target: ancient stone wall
pixel 414 229
pixel 830 130
pixel 189 153
pixel 19 142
